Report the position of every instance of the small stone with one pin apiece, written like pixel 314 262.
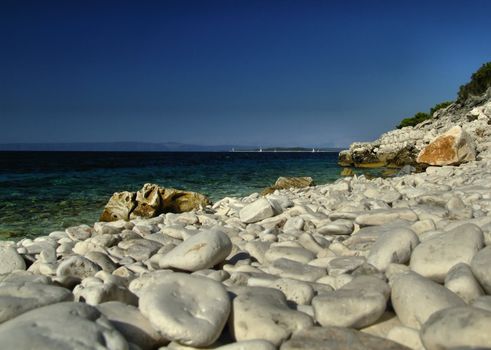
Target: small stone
pixel 298 292
pixel 256 211
pixel 335 338
pixel 292 269
pixel 201 251
pixel 406 336
pixel 189 309
pixel 263 313
pixel 300 255
pixel 349 308
pixel 78 267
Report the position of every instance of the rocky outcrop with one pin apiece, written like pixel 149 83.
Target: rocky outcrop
pixel 289 182
pixel 151 201
pixel 402 146
pixel 450 148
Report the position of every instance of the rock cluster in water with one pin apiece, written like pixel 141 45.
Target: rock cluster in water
pixel 151 201
pixel 396 263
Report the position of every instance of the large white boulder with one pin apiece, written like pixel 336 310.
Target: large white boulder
pixel 434 257
pixel 457 328
pixel 189 309
pixel 415 298
pixel 201 251
pixel 65 325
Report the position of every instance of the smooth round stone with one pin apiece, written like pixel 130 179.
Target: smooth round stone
pixel 349 308
pixel 77 266
pixel 98 292
pixel 10 260
pixel 335 338
pixel 392 247
pixel 19 297
pixel 462 282
pixel 457 328
pixel 130 322
pixel 263 313
pixel 102 260
pixel 299 292
pixel 434 257
pixel 79 233
pixel 189 309
pixel 138 285
pixel 201 251
pixel 406 336
pixel 61 326
pixel 346 264
pixel 416 298
pixel 481 267
pixel 338 227
pixel 483 302
pixel 256 211
pixel 293 269
pixel 384 216
pixel 300 255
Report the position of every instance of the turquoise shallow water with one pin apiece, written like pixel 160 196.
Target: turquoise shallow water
pixel 45 191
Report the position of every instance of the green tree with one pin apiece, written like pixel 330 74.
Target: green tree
pixel 439 106
pixel 480 82
pixel 414 120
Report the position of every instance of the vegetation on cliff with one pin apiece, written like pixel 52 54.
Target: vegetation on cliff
pixel 480 82
pixel 422 116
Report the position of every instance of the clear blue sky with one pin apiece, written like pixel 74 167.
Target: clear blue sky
pixel 230 72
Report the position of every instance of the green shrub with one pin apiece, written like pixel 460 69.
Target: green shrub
pixel 480 82
pixel 440 106
pixel 416 119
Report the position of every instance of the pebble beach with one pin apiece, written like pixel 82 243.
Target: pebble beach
pixel 362 263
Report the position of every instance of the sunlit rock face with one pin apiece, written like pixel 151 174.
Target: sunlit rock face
pixel 450 148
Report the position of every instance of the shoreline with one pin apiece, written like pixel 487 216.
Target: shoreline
pixel 295 256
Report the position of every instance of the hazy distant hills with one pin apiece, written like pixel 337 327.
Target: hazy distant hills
pixel 143 147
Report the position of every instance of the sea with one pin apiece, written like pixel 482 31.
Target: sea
pixel 41 192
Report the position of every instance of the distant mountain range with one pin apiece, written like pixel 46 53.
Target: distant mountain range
pixel 144 147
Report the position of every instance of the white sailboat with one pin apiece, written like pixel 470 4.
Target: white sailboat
pixel 260 149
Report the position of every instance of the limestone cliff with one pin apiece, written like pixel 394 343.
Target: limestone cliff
pixel 402 146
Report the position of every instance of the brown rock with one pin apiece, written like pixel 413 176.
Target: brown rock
pixel 347 172
pixel 120 205
pixel 148 201
pixel 177 201
pixel 151 201
pixel 336 338
pixel 450 148
pixel 289 182
pixel 344 158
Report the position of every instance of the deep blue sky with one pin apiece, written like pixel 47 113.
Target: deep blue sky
pixel 230 72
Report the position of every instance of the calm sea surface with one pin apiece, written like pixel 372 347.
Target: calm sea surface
pixel 42 192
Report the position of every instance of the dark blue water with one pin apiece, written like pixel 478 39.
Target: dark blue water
pixel 45 191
